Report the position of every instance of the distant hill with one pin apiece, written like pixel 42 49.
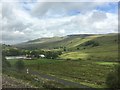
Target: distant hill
pixel 49 43
pixel 43 40
pixel 71 42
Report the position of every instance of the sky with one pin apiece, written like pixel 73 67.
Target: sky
pixel 24 20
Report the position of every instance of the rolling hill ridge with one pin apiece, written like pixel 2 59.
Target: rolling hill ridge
pixel 70 42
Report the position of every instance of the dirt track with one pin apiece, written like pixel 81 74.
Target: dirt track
pixel 11 82
pixel 65 82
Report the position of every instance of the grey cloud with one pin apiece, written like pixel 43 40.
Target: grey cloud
pixel 42 8
pixel 98 16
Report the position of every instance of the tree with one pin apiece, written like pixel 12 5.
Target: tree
pixel 23 52
pixel 48 54
pixel 27 52
pixel 5 63
pixel 35 53
pixel 91 43
pixel 52 54
pixel 12 52
pixel 64 49
pixel 78 48
pixel 20 65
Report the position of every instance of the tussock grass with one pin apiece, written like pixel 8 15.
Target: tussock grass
pixel 88 72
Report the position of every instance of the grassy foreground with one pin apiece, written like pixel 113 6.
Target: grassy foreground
pixel 82 62
pixel 87 72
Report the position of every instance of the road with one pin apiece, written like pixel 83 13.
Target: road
pixel 62 81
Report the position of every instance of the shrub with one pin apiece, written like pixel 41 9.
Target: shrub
pixel 64 49
pixel 90 43
pixel 5 63
pixel 113 78
pixel 84 48
pixel 52 54
pixel 78 48
pixel 68 59
pixel 20 65
pixel 88 58
pixel 79 59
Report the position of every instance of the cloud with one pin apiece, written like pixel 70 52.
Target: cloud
pixel 54 19
pixel 102 22
pixel 97 16
pixel 62 31
pixel 18 33
pixel 41 9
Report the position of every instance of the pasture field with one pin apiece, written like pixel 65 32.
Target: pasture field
pixel 98 53
pixel 96 56
pixel 86 72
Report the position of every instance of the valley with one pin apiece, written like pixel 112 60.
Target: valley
pixel 84 60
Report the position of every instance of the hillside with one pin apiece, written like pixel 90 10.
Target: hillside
pixel 54 42
pixel 86 46
pixel 103 48
pixel 71 42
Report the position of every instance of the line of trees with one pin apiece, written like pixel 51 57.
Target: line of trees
pixel 5 63
pixel 52 54
pixel 31 53
pixel 90 43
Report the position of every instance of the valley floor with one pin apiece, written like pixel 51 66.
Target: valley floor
pixel 80 72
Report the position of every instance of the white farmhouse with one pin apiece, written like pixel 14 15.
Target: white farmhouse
pixel 42 55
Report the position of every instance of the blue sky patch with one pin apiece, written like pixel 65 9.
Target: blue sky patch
pixel 110 7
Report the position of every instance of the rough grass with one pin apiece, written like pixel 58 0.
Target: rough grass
pixel 74 55
pixel 106 63
pixel 83 71
pixel 93 55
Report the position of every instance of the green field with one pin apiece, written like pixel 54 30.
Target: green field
pixel 97 56
pixel 90 73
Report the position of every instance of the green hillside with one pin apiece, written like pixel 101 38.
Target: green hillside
pixel 55 42
pixel 105 49
pixel 73 42
pixel 43 40
pixel 81 46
